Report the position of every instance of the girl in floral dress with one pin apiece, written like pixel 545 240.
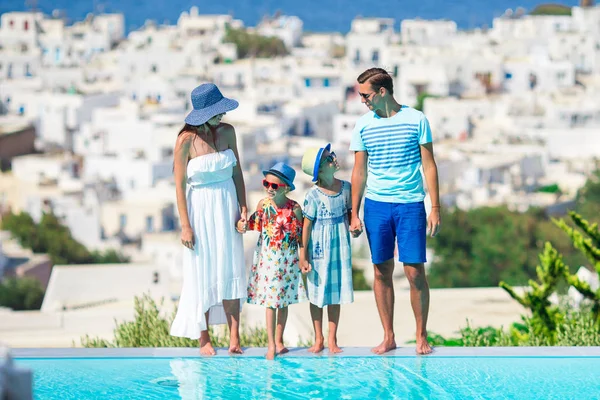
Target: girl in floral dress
pixel 275 280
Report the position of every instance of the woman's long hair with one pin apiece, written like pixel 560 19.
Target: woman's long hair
pixel 198 129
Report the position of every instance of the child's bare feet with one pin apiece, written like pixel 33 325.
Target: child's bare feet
pixel 317 347
pixel 281 349
pixel 333 347
pixel 206 348
pixel 234 347
pixel 270 353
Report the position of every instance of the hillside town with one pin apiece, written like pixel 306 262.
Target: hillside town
pixel 89 115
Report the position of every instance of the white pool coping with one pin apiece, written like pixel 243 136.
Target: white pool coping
pixel 176 352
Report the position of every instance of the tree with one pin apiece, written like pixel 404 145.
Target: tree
pixel 53 238
pixel 254 45
pixel 551 9
pixel 421 99
pixel 587 201
pixel 484 246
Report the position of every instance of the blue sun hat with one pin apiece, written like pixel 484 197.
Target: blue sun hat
pixel 311 161
pixel 208 101
pixel 283 172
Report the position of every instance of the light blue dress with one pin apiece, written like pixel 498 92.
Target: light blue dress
pixel 330 280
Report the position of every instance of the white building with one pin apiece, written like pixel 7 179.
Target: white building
pixel 285 27
pixel 538 73
pixel 427 32
pixel 367 40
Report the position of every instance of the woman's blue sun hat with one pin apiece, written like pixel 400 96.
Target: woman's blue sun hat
pixel 311 161
pixel 208 101
pixel 283 172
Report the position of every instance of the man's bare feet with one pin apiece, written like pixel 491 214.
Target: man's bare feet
pixel 384 347
pixel 270 353
pixel 281 349
pixel 317 347
pixel 423 346
pixel 333 347
pixel 206 348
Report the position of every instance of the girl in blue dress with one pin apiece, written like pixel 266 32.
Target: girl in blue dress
pixel 326 256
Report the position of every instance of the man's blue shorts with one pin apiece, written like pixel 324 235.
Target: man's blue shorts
pixel 387 222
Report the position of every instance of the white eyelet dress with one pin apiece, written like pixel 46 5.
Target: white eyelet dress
pixel 215 270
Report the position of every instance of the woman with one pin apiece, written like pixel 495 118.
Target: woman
pixel 207 166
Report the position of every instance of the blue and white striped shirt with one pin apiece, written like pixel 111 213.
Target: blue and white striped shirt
pixel 394 154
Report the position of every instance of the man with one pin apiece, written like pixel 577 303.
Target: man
pixel 391 142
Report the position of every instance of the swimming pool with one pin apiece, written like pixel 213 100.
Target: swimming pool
pixel 518 373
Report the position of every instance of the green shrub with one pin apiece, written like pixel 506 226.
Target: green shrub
pixel 21 293
pixel 151 329
pixel 359 282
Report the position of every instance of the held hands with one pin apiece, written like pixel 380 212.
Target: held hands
pixel 242 224
pixel 187 237
pixel 356 226
pixel 305 266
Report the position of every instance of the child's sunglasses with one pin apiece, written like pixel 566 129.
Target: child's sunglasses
pixel 331 157
pixel 273 185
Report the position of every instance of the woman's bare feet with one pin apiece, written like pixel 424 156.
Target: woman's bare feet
pixel 270 353
pixel 206 348
pixel 385 346
pixel 317 347
pixel 333 347
pixel 423 346
pixel 281 349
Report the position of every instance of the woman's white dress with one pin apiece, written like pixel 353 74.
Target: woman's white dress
pixel 215 270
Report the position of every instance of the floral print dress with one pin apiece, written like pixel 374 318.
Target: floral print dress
pixel 275 279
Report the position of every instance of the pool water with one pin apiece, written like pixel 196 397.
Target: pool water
pixel 316 378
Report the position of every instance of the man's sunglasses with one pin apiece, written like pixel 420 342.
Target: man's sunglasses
pixel 273 185
pixel 366 95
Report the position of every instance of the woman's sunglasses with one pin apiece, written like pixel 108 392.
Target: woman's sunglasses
pixel 273 185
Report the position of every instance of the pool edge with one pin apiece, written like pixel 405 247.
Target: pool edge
pixel 173 352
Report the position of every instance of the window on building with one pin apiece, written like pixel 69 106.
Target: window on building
pixel 154 68
pixel 375 56
pixel 26 25
pixel 11 23
pixel 122 221
pixel 507 75
pixel 149 224
pixel 325 82
pixel 307 82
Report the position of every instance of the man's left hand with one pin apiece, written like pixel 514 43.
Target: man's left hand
pixel 434 222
